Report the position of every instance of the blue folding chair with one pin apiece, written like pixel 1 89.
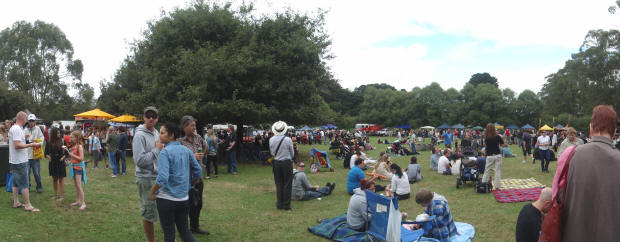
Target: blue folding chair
pixel 379 207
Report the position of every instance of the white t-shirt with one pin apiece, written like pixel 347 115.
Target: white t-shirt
pixel 543 140
pixel 400 186
pixel 17 156
pixel 352 162
pixel 441 164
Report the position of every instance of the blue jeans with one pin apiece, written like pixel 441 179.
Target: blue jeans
pixel 311 194
pixel 544 157
pixel 114 162
pixel 122 158
pixel 413 148
pixel 231 157
pixel 173 213
pixel 35 166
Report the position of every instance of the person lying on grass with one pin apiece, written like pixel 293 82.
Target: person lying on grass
pixel 303 190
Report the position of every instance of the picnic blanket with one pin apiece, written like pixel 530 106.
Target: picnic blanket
pixel 520 183
pixel 517 195
pixel 338 230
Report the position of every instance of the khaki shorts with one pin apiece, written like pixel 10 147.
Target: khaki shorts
pixel 148 207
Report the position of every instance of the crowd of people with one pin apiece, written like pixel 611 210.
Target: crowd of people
pixel 169 173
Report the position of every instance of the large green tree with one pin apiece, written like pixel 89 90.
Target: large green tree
pixel 221 64
pixel 37 60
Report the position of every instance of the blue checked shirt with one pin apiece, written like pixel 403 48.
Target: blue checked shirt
pixel 443 225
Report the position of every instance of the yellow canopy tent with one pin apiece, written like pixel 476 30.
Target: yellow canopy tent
pixel 94 114
pixel 546 128
pixel 125 118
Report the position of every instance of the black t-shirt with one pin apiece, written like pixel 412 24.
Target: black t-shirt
pixel 528 140
pixel 230 138
pixel 528 224
pixel 492 145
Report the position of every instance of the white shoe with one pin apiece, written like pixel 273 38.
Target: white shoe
pixel 523 161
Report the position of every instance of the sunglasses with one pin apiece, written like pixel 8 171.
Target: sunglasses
pixel 150 115
pixel 302 166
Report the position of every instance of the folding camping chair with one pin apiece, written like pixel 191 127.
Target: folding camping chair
pixel 321 158
pixel 385 214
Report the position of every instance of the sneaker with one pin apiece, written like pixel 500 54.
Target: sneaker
pixel 234 173
pixel 523 161
pixel 113 176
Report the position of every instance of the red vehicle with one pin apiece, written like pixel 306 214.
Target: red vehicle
pixel 372 128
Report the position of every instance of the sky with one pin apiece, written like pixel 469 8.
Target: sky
pixel 405 44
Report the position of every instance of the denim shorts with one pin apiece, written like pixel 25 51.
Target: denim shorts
pixel 20 175
pixel 77 172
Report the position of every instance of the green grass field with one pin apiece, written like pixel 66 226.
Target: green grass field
pixel 242 207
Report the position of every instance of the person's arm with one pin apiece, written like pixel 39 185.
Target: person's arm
pixel 153 190
pixel 501 142
pixel 80 156
pixel 47 151
pixel 304 181
pixel 393 184
pixel 196 170
pixel 290 147
pixel 19 145
pixel 141 156
pixel 163 171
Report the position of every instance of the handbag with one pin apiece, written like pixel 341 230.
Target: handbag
pixel 37 153
pixel 551 227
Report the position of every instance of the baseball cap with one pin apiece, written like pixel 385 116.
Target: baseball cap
pixel 150 108
pixel 32 117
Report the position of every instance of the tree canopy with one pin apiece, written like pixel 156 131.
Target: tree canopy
pixel 480 78
pixel 224 65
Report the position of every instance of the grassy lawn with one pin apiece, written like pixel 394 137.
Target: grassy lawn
pixel 242 207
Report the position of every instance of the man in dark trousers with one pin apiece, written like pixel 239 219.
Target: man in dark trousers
pixel 281 148
pixel 530 217
pixel 198 146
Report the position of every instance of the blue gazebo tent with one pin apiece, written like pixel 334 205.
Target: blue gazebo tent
pixel 444 126
pixel 305 128
pixel 559 126
pixel 527 126
pixel 458 126
pixel 512 126
pixel 331 126
pixel 403 126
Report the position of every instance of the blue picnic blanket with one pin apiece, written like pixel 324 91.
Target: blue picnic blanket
pixel 338 230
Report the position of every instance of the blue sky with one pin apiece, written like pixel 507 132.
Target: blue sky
pixel 404 43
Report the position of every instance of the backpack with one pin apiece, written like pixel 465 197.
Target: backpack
pixel 483 187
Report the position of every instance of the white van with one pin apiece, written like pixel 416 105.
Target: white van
pixel 361 126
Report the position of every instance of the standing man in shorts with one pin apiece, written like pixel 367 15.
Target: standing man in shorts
pixel 18 159
pixel 146 147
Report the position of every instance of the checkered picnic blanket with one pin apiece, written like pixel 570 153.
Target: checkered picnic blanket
pixel 520 183
pixel 517 195
pixel 338 230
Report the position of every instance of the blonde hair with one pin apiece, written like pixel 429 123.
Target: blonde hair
pixel 78 137
pixel 571 130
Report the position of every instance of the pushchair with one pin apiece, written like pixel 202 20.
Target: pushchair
pixel 321 158
pixel 468 171
pixel 398 149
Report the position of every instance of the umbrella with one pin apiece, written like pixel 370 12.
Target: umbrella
pixel 94 114
pixel 512 126
pixel 498 126
pixel 125 118
pixel 458 126
pixel 444 126
pixel 528 126
pixel 478 128
pixel 546 128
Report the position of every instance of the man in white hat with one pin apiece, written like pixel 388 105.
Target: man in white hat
pixel 281 148
pixel 34 135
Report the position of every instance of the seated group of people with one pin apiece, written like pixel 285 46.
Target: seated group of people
pixel 383 169
pixel 434 204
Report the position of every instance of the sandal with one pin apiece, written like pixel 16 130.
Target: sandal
pixel 19 205
pixel 75 204
pixel 59 199
pixel 207 177
pixel 32 209
pixel 83 207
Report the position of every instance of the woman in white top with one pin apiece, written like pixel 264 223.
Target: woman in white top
pixel 400 184
pixel 383 166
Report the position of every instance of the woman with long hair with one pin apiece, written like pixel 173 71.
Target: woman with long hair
pixel 56 155
pixel 383 166
pixel 400 184
pixel 494 155
pixel 77 171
